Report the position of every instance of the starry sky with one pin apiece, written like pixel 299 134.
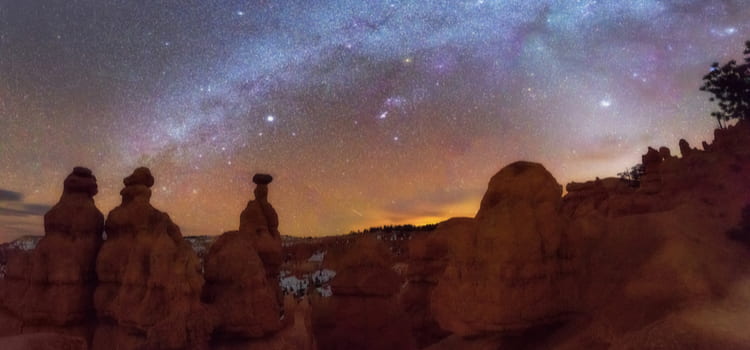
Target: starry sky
pixel 366 112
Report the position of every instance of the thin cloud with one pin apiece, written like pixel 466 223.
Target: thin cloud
pixel 10 196
pixel 25 210
pixel 12 204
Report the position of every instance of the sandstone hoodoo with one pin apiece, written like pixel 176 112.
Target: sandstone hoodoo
pixel 260 223
pixel 149 278
pixel 242 286
pixel 428 257
pixel 515 271
pixel 51 288
pixel 238 291
pixel 614 264
pixel 363 312
pixel 637 267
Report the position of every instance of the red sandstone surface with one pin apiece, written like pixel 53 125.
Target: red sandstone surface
pixel 610 265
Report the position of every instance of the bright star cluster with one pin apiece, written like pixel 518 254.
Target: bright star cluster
pixel 366 112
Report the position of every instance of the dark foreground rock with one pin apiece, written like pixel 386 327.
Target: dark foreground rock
pixel 50 288
pixel 149 278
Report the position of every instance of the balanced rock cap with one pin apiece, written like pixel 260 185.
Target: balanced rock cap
pixel 81 180
pixel 140 176
pixel 262 179
pixel 81 171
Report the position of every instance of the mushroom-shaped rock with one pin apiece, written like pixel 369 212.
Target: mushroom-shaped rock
pixel 81 180
pixel 262 179
pixel 260 223
pixel 515 271
pixel 140 176
pixel 150 280
pixel 53 287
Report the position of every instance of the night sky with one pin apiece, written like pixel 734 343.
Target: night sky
pixel 366 112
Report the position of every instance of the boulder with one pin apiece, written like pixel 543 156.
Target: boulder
pixel 140 176
pixel 262 179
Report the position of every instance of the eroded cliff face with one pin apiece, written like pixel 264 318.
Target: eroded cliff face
pixel 149 278
pixel 50 288
pixel 611 265
pixel 660 270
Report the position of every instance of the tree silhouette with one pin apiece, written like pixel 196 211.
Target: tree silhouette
pixel 730 86
pixel 633 175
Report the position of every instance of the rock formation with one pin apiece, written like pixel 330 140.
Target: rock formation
pixel 428 256
pixel 363 312
pixel 651 179
pixel 612 265
pixel 685 149
pixel 149 278
pixel 663 275
pixel 516 270
pixel 42 341
pixel 260 223
pixel 51 287
pixel 652 266
pixel 242 286
pixel 296 333
pixel 238 291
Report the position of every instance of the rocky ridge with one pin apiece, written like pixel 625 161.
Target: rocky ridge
pixel 613 264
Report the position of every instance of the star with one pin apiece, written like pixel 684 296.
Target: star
pixel 322 96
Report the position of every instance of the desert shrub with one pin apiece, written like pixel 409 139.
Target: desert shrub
pixel 633 175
